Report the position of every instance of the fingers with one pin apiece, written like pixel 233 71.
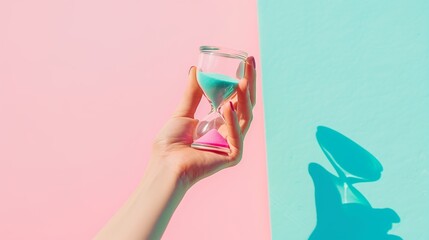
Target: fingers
pixel 250 74
pixel 189 103
pixel 244 105
pixel 246 95
pixel 234 138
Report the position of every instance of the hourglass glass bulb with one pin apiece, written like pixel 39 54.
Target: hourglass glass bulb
pixel 219 71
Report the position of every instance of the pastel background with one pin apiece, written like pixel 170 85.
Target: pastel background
pixel 84 88
pixel 361 68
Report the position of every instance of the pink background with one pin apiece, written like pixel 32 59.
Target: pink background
pixel 85 86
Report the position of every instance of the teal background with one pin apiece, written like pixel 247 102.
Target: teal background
pixel 361 68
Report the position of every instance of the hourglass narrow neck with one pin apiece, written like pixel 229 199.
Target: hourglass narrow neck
pixel 215 108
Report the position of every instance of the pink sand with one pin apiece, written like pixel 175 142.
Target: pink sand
pixel 213 138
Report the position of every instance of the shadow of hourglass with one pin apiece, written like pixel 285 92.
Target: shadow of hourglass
pixel 343 212
pixel 352 163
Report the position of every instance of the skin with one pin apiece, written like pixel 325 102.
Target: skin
pixel 175 166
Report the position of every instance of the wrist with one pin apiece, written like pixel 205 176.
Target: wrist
pixel 167 171
pixel 152 204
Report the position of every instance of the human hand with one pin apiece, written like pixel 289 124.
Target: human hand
pixel 172 146
pixel 175 166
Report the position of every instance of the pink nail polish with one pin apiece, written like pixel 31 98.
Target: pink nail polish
pixel 232 106
pixel 254 63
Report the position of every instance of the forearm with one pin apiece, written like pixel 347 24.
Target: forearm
pixel 147 212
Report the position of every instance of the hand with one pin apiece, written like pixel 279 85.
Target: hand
pixel 174 166
pixel 172 146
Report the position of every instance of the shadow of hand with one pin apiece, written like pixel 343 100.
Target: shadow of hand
pixel 338 220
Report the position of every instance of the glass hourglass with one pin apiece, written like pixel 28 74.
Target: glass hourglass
pixel 219 71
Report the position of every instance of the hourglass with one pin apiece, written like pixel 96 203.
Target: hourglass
pixel 219 71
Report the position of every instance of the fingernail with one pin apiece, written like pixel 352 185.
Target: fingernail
pixel 232 106
pixel 189 71
pixel 252 59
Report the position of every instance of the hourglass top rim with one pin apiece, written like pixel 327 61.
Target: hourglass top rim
pixel 224 52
